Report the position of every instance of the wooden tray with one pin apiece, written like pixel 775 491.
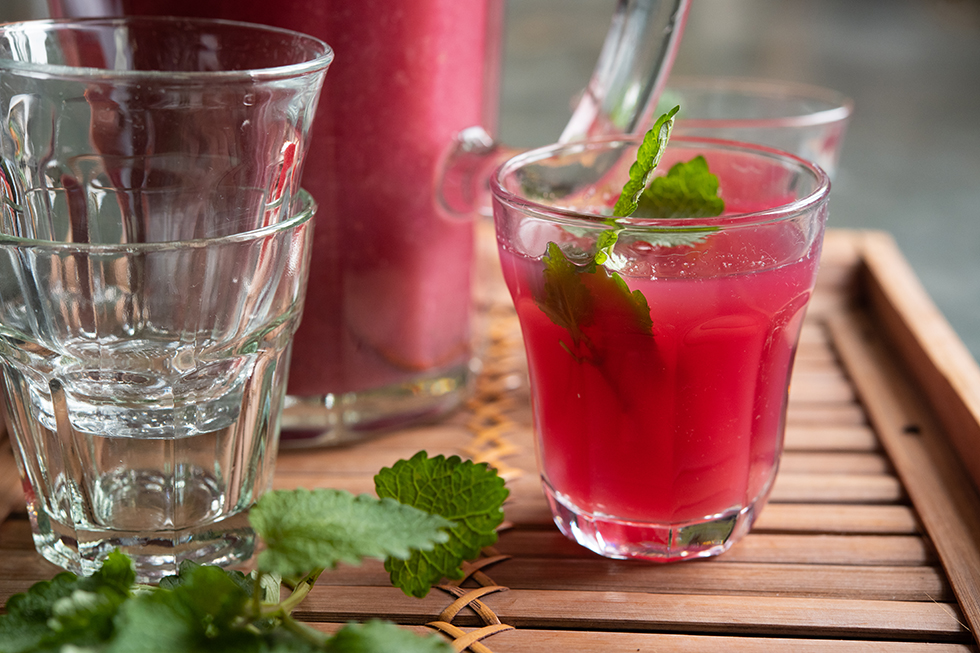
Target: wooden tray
pixel 871 539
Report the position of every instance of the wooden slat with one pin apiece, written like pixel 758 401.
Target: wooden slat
pixel 16 534
pixel 715 578
pixel 938 359
pixel 817 387
pixel 536 641
pixel 802 413
pixel 818 518
pixel 837 488
pixel 774 616
pixel 931 473
pixel 834 462
pixel 825 549
pixel 11 496
pixel 831 436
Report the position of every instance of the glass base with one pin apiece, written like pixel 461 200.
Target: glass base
pixel 228 542
pixel 345 418
pixel 616 538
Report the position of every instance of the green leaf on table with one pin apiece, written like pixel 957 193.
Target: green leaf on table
pixel 384 637
pixel 305 530
pixel 67 609
pixel 688 190
pixel 468 494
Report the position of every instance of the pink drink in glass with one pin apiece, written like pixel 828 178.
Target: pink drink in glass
pixel 663 442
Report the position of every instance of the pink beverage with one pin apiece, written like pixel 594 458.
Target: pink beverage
pixel 662 441
pixel 385 335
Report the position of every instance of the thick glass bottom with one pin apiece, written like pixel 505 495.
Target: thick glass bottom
pixel 337 419
pixel 155 554
pixel 623 539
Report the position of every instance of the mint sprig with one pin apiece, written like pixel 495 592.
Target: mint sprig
pixel 689 190
pixel 469 495
pixel 647 159
pixel 205 608
pixel 566 300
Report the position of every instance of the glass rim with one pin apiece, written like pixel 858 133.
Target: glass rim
pixel 303 213
pixel 573 218
pixel 839 106
pixel 321 53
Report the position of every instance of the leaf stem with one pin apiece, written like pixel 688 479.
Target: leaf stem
pixel 299 593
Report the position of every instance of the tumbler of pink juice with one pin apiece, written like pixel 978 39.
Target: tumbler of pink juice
pixel 386 334
pixel 659 422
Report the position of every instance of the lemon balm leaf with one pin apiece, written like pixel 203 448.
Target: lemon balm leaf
pixel 67 609
pixel 305 529
pixel 468 494
pixel 564 299
pixel 688 190
pixel 647 158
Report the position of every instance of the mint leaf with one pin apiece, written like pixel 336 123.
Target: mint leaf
pixel 305 529
pixel 688 190
pixel 565 299
pixel 647 157
pixel 470 495
pixel 220 594
pixel 198 610
pixel 635 304
pixel 67 609
pixel 384 637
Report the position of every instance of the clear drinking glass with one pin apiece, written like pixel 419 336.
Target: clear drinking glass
pixel 659 419
pixel 808 121
pixel 144 384
pixel 154 249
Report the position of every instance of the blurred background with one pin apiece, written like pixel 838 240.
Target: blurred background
pixel 911 157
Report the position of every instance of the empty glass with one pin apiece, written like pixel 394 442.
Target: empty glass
pixel 154 249
pixel 808 121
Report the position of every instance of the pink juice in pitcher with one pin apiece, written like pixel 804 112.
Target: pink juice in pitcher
pixel 385 336
pixel 676 425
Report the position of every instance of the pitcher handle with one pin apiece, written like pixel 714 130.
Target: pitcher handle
pixel 626 83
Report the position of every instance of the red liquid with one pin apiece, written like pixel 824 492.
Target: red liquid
pixel 682 423
pixel 389 290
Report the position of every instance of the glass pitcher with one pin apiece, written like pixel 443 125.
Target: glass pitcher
pixel 386 334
